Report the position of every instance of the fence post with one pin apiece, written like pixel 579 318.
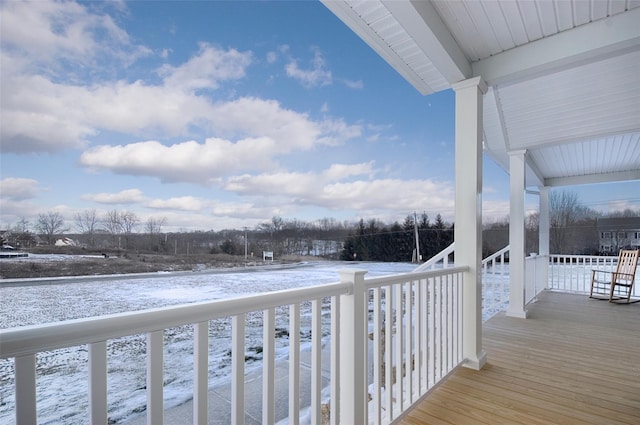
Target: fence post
pixel 353 349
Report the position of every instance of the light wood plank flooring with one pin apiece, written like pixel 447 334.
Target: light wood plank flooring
pixel 574 360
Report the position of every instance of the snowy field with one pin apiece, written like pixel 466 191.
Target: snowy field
pixel 62 374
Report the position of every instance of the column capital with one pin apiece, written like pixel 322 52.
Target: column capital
pixel 469 83
pixel 518 152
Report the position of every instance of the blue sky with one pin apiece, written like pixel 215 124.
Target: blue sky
pixel 217 115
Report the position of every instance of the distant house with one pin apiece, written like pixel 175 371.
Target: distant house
pixel 618 233
pixel 65 242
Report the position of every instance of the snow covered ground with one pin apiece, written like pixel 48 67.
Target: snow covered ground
pixel 62 374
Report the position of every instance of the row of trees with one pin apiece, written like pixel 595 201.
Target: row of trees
pixel 121 230
pixel 114 229
pixel 375 241
pixel 573 231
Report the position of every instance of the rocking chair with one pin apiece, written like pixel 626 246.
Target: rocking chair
pixel 616 286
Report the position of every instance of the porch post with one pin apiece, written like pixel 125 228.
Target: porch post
pixel 468 213
pixel 543 233
pixel 516 234
pixel 353 350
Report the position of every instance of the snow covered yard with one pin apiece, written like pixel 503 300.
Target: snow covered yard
pixel 63 375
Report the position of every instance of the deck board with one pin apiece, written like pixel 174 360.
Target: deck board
pixel 574 360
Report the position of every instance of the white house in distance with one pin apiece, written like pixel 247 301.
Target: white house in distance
pixel 618 233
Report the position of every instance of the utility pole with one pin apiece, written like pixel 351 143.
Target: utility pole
pixel 245 243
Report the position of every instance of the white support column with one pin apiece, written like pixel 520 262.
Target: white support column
pixel 468 218
pixel 516 234
pixel 353 354
pixel 543 233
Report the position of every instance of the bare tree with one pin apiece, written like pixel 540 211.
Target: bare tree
pixel 50 225
pixel 22 226
pixel 21 236
pixel 112 222
pixel 87 223
pixel 566 212
pixel 153 226
pixel 129 222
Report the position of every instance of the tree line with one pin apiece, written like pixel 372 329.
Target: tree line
pixel 572 231
pixel 375 241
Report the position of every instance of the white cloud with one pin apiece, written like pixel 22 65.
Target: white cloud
pixel 248 210
pixel 315 76
pixel 356 85
pixel 338 172
pixel 283 184
pixel 55 33
pixel 51 113
pixel 182 203
pixel 206 69
pixel 129 196
pixel 264 131
pixel 18 189
pixel 366 197
pixel 272 57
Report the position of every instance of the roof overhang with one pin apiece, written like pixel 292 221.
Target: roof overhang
pixel 563 76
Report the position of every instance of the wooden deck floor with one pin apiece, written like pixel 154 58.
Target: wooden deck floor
pixel 574 360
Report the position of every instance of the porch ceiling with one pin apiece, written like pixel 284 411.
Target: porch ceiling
pixel 563 76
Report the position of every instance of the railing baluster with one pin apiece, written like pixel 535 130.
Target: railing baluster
pixel 439 342
pixel 237 368
pixel 431 331
pixel 268 367
pixel 417 338
pixel 424 308
pixel 155 378
pixel 460 282
pixel 377 354
pixel 98 383
pixel 335 360
pixel 398 348
pixel 316 362
pixel 408 369
pixel 294 364
pixel 388 351
pixel 200 372
pixel 26 411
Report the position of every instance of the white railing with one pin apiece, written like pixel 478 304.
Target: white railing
pixel 416 338
pixel 417 315
pixel 536 277
pixel 440 260
pixel 572 273
pixel 495 277
pixel 495 283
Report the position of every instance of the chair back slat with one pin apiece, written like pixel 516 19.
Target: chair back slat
pixel 627 262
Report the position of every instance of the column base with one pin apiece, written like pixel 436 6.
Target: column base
pixel 477 362
pixel 519 313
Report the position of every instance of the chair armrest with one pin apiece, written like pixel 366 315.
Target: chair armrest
pixel 625 276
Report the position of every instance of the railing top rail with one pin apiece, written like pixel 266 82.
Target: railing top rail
pixel 436 258
pixel 405 277
pixel 596 257
pixel 44 337
pixel 496 254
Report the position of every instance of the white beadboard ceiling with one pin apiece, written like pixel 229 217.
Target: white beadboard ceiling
pixel 563 75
